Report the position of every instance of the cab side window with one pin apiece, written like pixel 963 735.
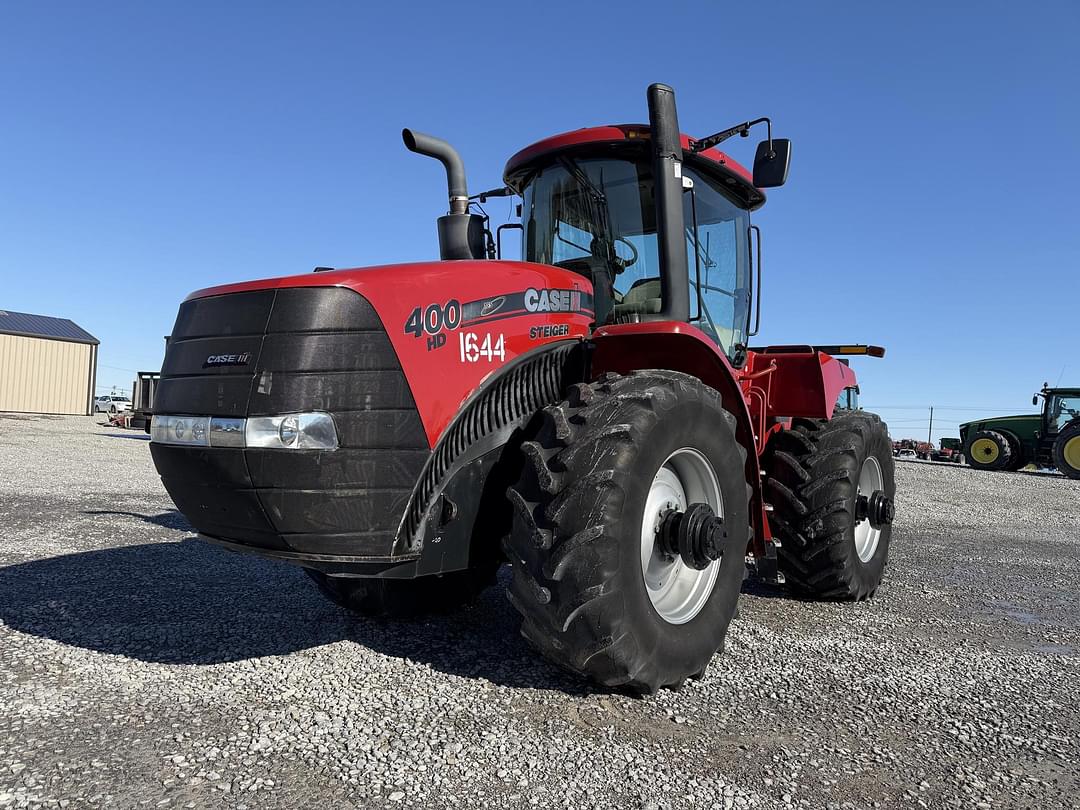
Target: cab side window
pixel 719 262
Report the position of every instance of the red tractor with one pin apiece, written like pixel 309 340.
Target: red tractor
pixel 593 414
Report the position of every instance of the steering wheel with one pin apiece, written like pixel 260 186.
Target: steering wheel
pixel 621 263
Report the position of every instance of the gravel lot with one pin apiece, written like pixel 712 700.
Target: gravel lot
pixel 142 667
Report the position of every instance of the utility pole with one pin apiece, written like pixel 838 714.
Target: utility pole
pixel 930 430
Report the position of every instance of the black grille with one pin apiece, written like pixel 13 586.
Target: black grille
pixel 307 349
pixel 504 405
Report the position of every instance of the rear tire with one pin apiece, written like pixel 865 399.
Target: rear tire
pixel 1016 452
pixel 988 450
pixel 1067 451
pixel 405 598
pixel 816 471
pixel 592 589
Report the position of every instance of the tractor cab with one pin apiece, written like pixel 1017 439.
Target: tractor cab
pixel 1060 407
pixel 589 206
pixel 656 221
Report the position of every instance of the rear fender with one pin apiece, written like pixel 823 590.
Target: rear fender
pixel 802 381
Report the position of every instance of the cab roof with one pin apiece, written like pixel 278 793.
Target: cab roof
pixel 712 161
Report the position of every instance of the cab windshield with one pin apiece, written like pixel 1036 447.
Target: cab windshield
pixel 597 217
pixel 1062 409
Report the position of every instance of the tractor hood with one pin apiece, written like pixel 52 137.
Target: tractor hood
pixel 319 414
pixel 429 310
pixel 1021 425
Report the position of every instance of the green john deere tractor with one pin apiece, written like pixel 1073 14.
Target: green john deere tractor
pixel 1047 439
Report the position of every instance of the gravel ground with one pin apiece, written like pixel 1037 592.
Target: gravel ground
pixel 142 667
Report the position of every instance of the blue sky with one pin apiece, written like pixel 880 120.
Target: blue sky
pixel 149 149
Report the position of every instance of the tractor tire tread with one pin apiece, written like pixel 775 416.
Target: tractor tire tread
pixel 1070 432
pixel 569 489
pixel 812 478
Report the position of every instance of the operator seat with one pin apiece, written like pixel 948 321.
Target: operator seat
pixel 643 298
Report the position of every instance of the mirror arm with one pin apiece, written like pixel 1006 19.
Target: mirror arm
pixel 742 129
pixel 483 196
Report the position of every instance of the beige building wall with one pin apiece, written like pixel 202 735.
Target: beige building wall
pixel 44 376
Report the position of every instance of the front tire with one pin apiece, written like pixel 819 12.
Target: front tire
pixel 596 593
pixel 822 480
pixel 1016 452
pixel 406 598
pixel 1067 451
pixel 988 450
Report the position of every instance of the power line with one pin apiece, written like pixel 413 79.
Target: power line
pixel 936 407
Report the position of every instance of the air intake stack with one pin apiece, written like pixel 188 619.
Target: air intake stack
pixel 670 227
pixel 461 234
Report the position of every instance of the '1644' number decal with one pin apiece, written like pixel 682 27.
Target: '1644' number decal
pixel 473 349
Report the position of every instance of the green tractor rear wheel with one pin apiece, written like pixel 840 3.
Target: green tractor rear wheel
pixel 988 450
pixel 1067 451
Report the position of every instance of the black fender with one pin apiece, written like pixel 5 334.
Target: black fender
pixel 458 511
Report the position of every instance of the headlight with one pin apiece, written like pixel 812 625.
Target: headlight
pixel 291 431
pixel 191 430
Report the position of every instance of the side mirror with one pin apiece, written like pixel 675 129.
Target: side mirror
pixel 771 165
pixel 1035 399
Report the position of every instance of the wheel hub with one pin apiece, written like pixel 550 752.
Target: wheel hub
pixel 684 511
pixel 874 510
pixel 696 535
pixel 878 508
pixel 986 450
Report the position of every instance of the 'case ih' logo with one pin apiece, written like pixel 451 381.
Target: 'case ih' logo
pixel 241 359
pixel 552 300
pixel 492 306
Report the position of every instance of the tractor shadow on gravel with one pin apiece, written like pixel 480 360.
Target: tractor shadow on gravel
pixel 189 602
pixel 752 586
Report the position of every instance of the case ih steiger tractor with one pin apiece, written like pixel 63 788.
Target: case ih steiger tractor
pixel 592 414
pixel 1047 439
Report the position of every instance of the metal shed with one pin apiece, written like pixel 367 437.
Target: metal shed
pixel 47 365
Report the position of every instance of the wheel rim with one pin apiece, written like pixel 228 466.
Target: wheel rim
pixel 677 591
pixel 985 450
pixel 1071 452
pixel 866 536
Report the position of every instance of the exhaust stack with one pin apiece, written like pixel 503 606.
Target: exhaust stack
pixel 461 234
pixel 667 177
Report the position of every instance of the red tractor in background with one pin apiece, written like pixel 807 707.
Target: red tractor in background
pixel 923 450
pixel 593 414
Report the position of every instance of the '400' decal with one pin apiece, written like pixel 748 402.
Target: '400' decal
pixel 432 319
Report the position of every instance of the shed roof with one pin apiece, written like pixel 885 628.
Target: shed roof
pixel 43 326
